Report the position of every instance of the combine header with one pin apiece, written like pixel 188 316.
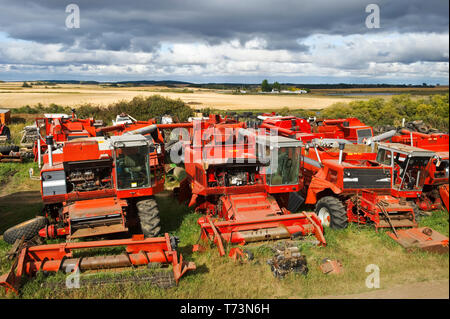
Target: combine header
pixel 241 180
pixel 59 257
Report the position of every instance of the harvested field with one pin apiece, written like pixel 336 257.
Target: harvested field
pixel 12 95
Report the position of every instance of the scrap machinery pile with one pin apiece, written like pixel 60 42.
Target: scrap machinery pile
pixel 95 186
pixel 249 180
pixel 243 195
pixel 350 181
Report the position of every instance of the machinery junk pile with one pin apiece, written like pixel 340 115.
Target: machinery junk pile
pixel 96 186
pixel 8 151
pixel 287 258
pixel 242 181
pixel 382 183
pixel 249 181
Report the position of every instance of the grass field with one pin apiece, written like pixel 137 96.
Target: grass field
pixel 216 277
pixel 12 95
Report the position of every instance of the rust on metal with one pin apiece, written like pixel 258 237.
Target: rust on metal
pixel 423 238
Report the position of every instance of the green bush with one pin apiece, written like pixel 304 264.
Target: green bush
pixel 141 108
pixel 433 110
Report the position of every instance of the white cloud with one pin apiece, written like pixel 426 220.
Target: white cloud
pixel 375 56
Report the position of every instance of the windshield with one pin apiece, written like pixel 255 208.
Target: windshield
pixel 442 170
pixel 285 166
pixel 132 167
pixel 363 134
pixel 384 157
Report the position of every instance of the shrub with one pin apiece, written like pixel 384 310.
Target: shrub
pixel 433 110
pixel 141 108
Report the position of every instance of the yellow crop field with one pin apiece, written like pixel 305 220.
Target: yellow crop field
pixel 12 95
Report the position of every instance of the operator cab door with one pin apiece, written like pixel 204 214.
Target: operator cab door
pixel 282 156
pixel 132 165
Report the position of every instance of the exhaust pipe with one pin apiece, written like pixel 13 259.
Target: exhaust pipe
pixel 49 141
pixel 143 130
pixel 341 151
pixel 381 137
pixel 39 151
pixel 317 154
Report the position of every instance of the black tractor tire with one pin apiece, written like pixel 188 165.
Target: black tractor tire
pixel 6 149
pixel 336 211
pixel 29 229
pixel 148 214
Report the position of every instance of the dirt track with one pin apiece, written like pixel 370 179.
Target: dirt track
pixel 418 290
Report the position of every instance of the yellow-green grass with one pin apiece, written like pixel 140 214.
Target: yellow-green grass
pixel 219 277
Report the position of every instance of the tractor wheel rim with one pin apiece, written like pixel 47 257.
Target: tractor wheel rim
pixel 324 216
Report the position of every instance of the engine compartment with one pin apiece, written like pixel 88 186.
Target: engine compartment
pixel 88 175
pixel 224 176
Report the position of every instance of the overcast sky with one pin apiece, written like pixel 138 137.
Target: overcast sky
pixel 302 41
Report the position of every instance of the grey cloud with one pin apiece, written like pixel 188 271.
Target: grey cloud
pixel 113 24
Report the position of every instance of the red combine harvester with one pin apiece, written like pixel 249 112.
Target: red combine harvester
pixel 350 129
pixel 349 187
pixel 436 184
pixel 242 194
pixel 62 128
pixel 94 187
pixel 355 185
pixel 98 186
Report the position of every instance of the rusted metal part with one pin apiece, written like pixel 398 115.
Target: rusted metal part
pixel 236 254
pixel 262 229
pixel 198 248
pixel 217 238
pixel 287 259
pixel 423 238
pixel 11 158
pixel 160 279
pixel 56 257
pixel 330 266
pixel 385 211
pixel 444 192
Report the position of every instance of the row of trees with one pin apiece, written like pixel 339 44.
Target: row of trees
pixel 267 87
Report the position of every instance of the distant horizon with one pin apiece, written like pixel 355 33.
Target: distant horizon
pixel 227 83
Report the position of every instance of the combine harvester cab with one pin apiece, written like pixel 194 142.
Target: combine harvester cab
pixel 241 186
pixel 435 193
